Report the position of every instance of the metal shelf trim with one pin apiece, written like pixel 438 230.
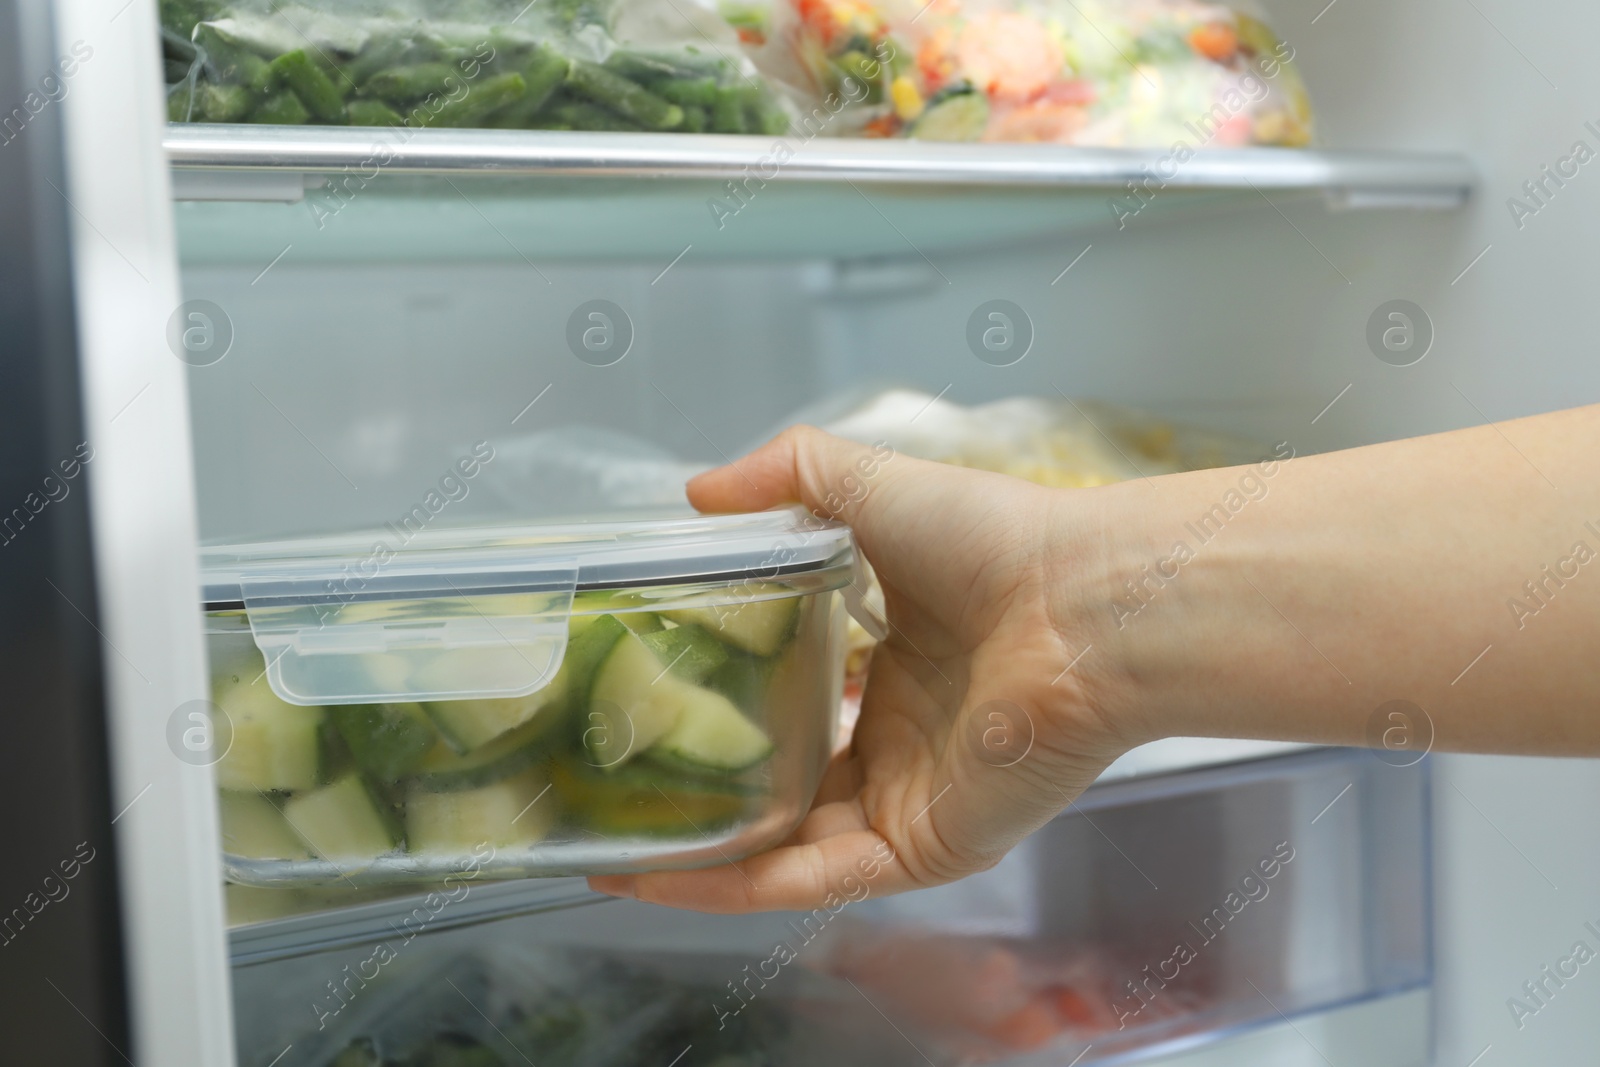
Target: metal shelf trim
pixel 1427 177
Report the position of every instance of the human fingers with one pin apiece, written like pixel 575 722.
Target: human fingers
pixel 803 464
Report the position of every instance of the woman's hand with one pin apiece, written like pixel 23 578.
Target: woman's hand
pixel 1290 599
pixel 978 722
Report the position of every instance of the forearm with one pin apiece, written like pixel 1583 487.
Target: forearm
pixel 1292 600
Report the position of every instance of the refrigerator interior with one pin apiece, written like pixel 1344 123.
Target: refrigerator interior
pixel 359 372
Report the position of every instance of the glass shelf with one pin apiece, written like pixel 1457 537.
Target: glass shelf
pixel 342 195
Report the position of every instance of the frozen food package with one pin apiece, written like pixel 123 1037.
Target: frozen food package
pixel 1178 74
pixel 617 65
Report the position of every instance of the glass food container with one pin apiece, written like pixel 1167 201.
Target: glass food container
pixel 398 707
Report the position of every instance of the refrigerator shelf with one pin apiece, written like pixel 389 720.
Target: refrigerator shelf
pixel 246 194
pixel 1363 178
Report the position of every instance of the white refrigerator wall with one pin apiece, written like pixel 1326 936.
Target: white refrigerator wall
pixel 352 387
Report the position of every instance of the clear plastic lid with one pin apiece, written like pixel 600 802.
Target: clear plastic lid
pixel 390 614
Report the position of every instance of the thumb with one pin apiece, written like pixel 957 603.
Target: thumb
pixel 828 474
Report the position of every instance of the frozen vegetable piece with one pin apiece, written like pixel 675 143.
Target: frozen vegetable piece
pixel 761 112
pixel 712 733
pixel 318 92
pixel 699 92
pixel 388 741
pixel 695 119
pixel 371 113
pixel 634 701
pixel 727 113
pixel 543 74
pixel 281 109
pixel 759 626
pixel 344 821
pixel 229 62
pixel 648 69
pixel 961 115
pixel 252 827
pixel 583 115
pixel 627 98
pixel 512 811
pixel 275 745
pixel 483 98
pixel 466 724
pixel 688 651
pixel 405 85
pixel 443 769
pixel 223 103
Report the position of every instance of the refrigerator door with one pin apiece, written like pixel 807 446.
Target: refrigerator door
pixel 108 787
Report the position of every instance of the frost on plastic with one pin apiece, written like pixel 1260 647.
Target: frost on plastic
pixel 1112 73
pixel 658 65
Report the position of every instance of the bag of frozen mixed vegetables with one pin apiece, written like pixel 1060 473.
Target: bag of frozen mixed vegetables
pixel 1110 73
pixel 661 65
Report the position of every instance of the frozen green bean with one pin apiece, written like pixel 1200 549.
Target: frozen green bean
pixel 697 92
pixel 230 62
pixel 315 89
pixel 402 85
pixel 372 113
pixel 379 55
pixel 647 70
pixel 695 119
pixel 583 115
pixel 484 97
pixel 544 74
pixel 727 113
pixel 627 98
pixel 761 113
pixel 281 109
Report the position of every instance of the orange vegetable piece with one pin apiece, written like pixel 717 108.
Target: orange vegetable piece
pixel 1217 41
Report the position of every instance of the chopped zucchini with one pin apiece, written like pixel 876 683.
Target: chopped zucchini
pixel 712 733
pixel 633 702
pixel 275 746
pixel 586 650
pixel 253 828
pixel 443 769
pixel 630 803
pixel 640 622
pixel 512 811
pixel 344 821
pixel 759 626
pixel 388 741
pixel 466 724
pixel 688 651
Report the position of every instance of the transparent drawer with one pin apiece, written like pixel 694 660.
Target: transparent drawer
pixel 1150 917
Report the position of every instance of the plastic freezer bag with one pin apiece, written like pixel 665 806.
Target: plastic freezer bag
pixel 659 65
pixel 1111 73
